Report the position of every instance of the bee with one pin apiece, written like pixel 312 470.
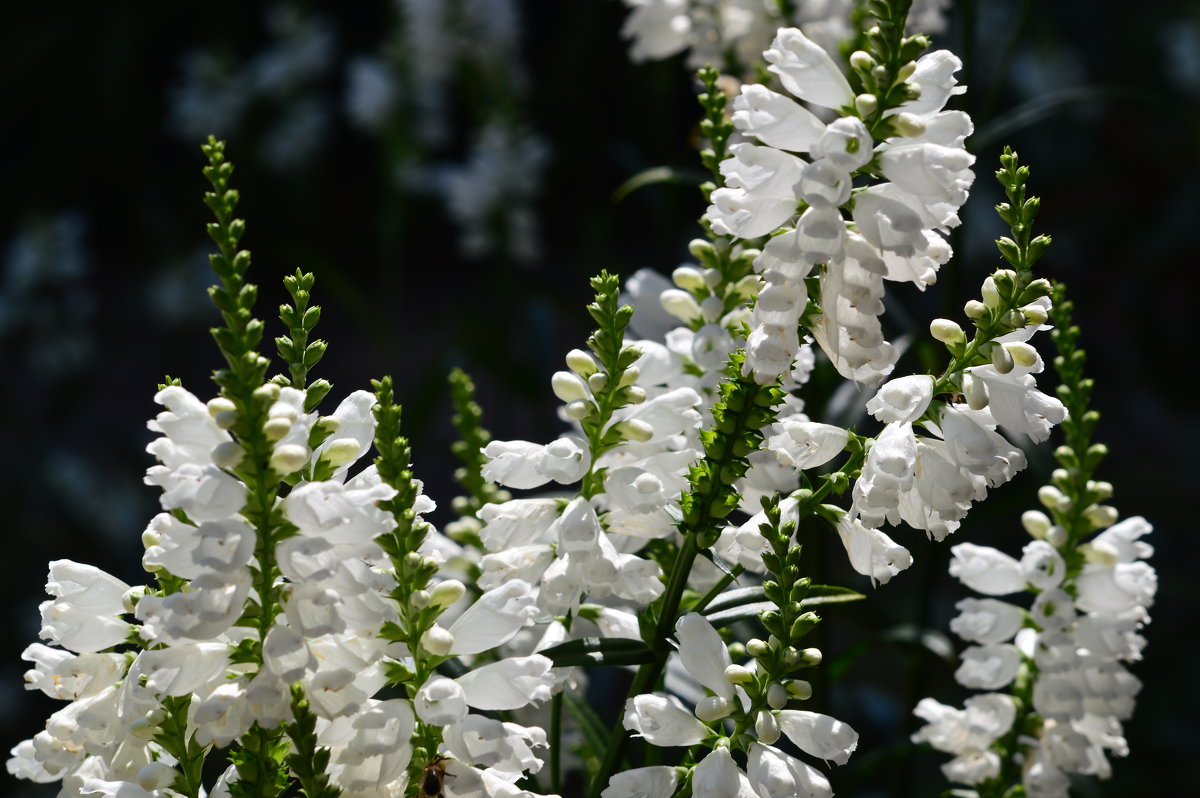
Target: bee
pixel 434 777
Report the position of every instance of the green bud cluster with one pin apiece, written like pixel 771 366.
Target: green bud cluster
pixel 1080 513
pixel 715 126
pixel 610 378
pixel 780 656
pixel 1009 296
pixel 743 410
pixel 880 69
pixel 468 420
pixel 308 762
pixel 725 275
pixel 295 348
pixel 413 572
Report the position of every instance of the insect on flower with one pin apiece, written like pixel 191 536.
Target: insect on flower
pixel 433 778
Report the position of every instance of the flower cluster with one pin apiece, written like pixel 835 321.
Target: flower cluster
pixel 1062 658
pixel 306 629
pixel 733 33
pixel 288 593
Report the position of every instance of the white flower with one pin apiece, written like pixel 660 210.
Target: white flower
pixel 494 618
pixel 1042 565
pixel 659 28
pixel 440 701
pixel 806 444
pixel 888 472
pixel 511 683
pixel 704 654
pixel 903 399
pixel 663 720
pixel 716 776
pixel 871 552
pixel 515 523
pixel 806 70
pixel 986 570
pixel 649 782
pixel 60 674
pixel 988 667
pixel 759 194
pixel 774 774
pixel 83 615
pixel 987 620
pixel 818 735
pixel 776 120
pixel 1017 405
pixel 523 465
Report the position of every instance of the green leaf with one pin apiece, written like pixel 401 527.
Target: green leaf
pixel 595 731
pixel 598 651
pixel 653 175
pixel 830 594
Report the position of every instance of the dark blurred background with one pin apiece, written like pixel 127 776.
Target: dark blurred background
pixel 453 216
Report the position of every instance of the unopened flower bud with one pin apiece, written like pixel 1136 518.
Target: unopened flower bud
pixel 909 125
pixel 1049 495
pixel 267 393
pixel 1023 354
pixel 289 458
pixel 1060 475
pixel 635 394
pixel 227 454
pixel 777 696
pixel 578 410
pixel 976 391
pixel 879 73
pixel 739 674
pixel 866 104
pixel 1057 536
pixel 446 593
pixel 1034 314
pixel 748 286
pixel 799 689
pixel 906 71
pixel 699 247
pixel 581 363
pixel 1100 489
pixel 810 657
pixel 276 428
pixel 756 647
pixel 767 728
pixel 1101 516
pixel 862 60
pixel 219 405
pixel 712 708
pixel 634 429
pixel 1036 523
pixel 712 277
pixel 946 331
pixel 131 597
pixel 597 382
pixel 991 296
pixel 567 386
pixel 975 309
pixel 341 451
pixel 1002 360
pixel 419 599
pixel 629 376
pixel 679 304
pixel 437 641
pixel 689 278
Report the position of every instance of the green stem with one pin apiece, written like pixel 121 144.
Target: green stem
pixel 556 711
